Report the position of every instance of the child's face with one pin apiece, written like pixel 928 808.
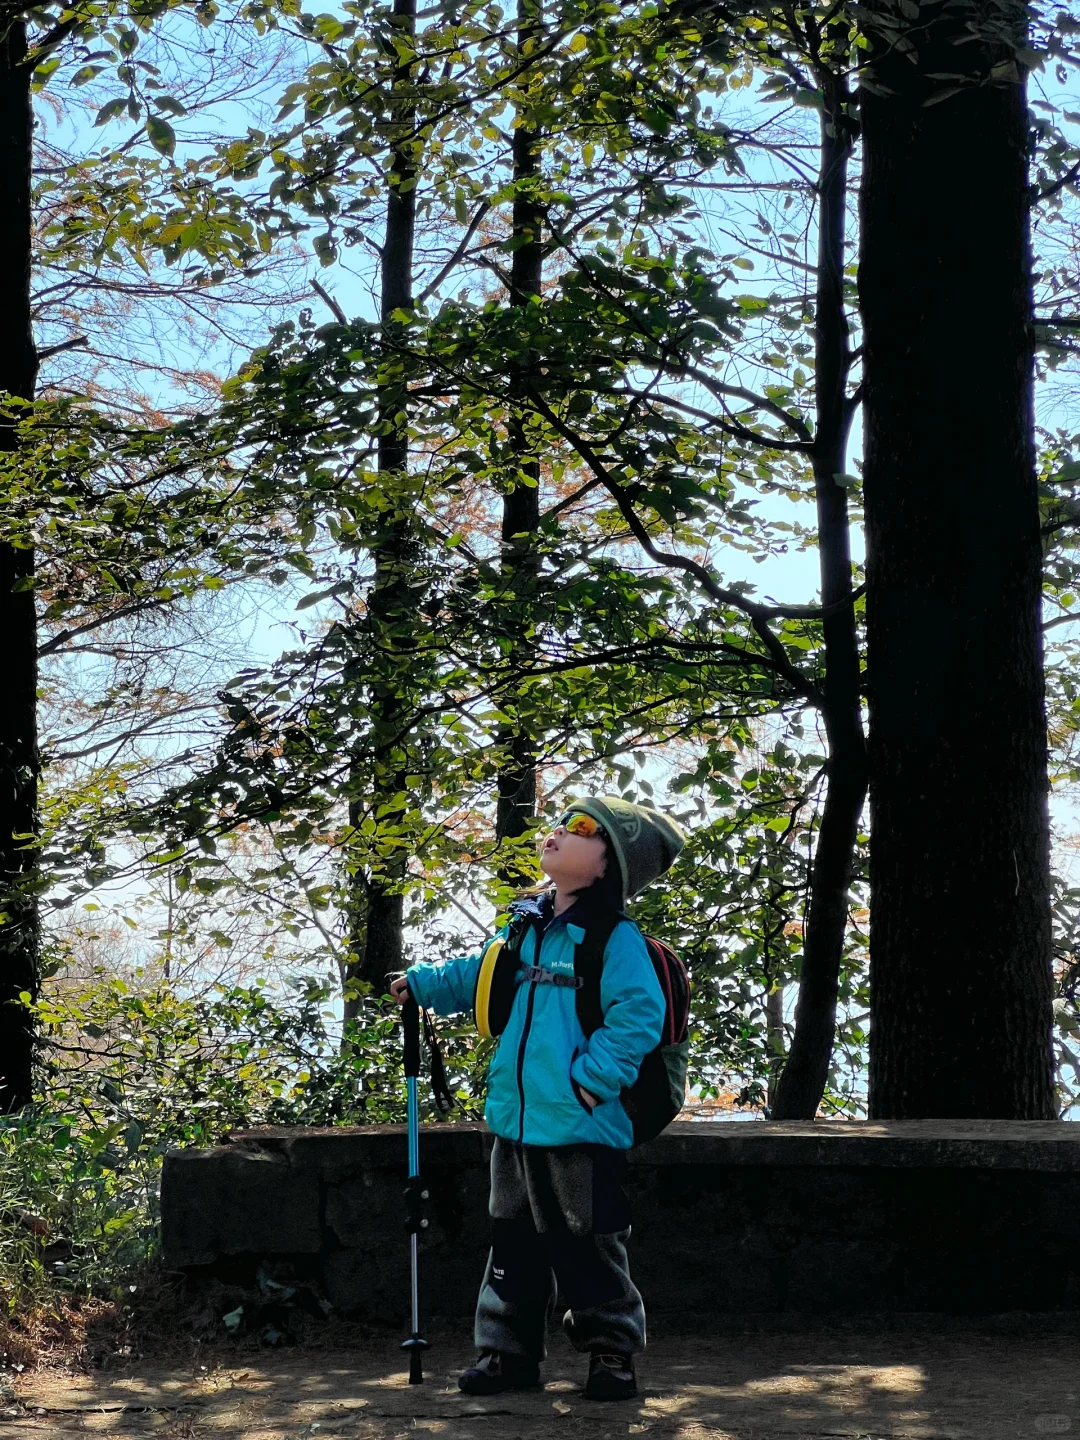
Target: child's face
pixel 573 861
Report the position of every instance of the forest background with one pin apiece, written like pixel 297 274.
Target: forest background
pixel 443 411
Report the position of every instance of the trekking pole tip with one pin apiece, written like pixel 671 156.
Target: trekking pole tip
pixel 416 1347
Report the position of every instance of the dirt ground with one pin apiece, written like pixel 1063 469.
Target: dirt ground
pixel 926 1386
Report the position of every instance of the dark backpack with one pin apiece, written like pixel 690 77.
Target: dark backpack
pixel 657 1095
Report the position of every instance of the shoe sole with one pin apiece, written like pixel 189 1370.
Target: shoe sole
pixel 502 1389
pixel 623 1395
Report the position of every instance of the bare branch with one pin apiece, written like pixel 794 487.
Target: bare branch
pixel 76 343
pixel 455 258
pixel 331 304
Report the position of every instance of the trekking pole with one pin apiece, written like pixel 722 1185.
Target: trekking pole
pixel 415 1194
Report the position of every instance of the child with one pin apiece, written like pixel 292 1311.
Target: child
pixel 561 1132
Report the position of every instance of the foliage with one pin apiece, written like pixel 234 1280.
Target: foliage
pixel 624 653
pixel 132 1070
pixel 671 391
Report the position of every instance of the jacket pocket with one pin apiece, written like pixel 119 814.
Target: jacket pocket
pixel 580 1098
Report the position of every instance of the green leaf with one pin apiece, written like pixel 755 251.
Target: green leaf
pixel 162 135
pixel 940 95
pixel 110 110
pixel 341 588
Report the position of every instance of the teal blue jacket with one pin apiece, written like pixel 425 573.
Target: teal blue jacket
pixel 543 1058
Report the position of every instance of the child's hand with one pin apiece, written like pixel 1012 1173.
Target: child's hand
pixel 399 989
pixel 591 1099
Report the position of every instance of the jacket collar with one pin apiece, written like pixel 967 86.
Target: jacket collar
pixel 541 909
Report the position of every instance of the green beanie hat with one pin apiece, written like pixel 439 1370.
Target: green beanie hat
pixel 644 841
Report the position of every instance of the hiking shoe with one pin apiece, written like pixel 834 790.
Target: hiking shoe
pixel 611 1377
pixel 495 1371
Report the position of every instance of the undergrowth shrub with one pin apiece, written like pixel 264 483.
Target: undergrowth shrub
pixel 130 1071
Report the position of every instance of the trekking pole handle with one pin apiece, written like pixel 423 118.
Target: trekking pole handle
pixel 410 1019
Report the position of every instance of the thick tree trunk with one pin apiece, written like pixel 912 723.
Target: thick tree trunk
pixel 378 908
pixel 521 503
pixel 18 620
pixel 960 922
pixel 798 1091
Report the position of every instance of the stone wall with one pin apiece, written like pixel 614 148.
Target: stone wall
pixel 969 1218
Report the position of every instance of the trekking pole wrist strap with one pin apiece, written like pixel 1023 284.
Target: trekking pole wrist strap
pixel 440 1087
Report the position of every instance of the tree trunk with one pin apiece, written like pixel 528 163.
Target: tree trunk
pixel 960 975
pixel 378 908
pixel 19 930
pixel 521 503
pixel 798 1091
pixel 774 1028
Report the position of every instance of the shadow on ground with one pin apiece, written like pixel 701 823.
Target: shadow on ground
pixel 970 1385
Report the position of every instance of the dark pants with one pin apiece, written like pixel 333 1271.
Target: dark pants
pixel 559 1221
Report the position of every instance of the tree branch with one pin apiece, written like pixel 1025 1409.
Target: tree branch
pixel 331 304
pixel 55 37
pixel 758 614
pixel 74 344
pixel 430 288
pixel 1068 178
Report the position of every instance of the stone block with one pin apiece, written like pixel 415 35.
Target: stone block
pixel 373 1282
pixel 789 1218
pixel 229 1201
pixel 338 1154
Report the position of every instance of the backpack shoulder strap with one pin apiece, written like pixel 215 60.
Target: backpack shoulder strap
pixel 520 925
pixel 496 978
pixel 588 967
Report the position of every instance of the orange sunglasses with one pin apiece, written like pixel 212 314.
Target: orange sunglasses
pixel 575 822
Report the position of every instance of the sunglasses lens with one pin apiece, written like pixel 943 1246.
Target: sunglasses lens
pixel 578 824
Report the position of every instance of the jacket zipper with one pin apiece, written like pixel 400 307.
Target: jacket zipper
pixel 521 1044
